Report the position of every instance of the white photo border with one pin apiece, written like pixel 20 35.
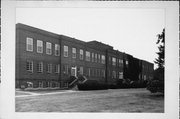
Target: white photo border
pixel 171 58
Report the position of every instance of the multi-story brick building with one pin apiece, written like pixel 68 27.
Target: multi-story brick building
pixel 45 59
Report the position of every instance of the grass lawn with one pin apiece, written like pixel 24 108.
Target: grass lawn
pixel 114 100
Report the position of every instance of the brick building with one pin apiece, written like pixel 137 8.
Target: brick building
pixel 45 59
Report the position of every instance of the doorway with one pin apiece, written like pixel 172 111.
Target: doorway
pixel 74 71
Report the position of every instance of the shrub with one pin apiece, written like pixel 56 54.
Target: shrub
pixel 138 84
pixel 155 86
pixel 157 83
pixel 92 85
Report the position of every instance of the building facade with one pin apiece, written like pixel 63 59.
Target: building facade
pixel 47 60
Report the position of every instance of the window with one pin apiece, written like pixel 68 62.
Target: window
pixel 113 74
pixel 87 56
pixel 139 76
pixel 65 51
pixel 48 48
pixel 98 73
pixel 92 72
pixel 145 77
pixel 114 61
pixel 39 46
pixel 109 60
pixel 81 70
pixel 92 57
pixel 29 66
pixel 73 52
pixel 57 68
pixel 81 54
pixel 29 44
pixel 120 75
pixel 49 68
pixel 120 62
pixel 109 74
pixel 57 50
pixel 89 72
pixel 99 58
pixel 40 83
pixel 102 59
pixel 127 62
pixel 103 73
pixel 65 69
pixel 95 57
pixel 40 67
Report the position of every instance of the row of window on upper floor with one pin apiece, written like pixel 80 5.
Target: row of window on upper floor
pixel 147 68
pixel 95 57
pixel 29 47
pixel 89 56
pixel 115 61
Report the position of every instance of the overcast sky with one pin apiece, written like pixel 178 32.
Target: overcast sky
pixel 133 31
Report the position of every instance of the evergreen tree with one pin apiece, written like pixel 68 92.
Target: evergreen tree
pixel 157 83
pixel 161 41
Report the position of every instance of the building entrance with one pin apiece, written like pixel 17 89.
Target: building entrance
pixel 74 71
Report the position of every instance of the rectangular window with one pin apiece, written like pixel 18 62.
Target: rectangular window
pixel 65 51
pixel 120 75
pixel 103 73
pixel 40 67
pixel 127 63
pixel 49 68
pixel 89 72
pixel 81 70
pixel 40 83
pixel 98 72
pixel 87 56
pixel 92 57
pixel 95 57
pixel 109 60
pixel 39 46
pixel 113 74
pixel 66 69
pixel 145 77
pixel 81 54
pixel 99 58
pixel 120 63
pixel 57 50
pixel 114 61
pixel 109 74
pixel 73 52
pixel 102 59
pixel 29 66
pixel 92 72
pixel 48 48
pixel 57 68
pixel 139 76
pixel 29 44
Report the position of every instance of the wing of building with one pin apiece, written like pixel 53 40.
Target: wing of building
pixel 47 60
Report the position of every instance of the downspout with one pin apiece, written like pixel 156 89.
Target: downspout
pixel 106 67
pixel 60 80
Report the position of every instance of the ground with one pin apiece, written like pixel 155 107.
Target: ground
pixel 112 100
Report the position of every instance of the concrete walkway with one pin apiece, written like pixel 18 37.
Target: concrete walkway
pixel 30 94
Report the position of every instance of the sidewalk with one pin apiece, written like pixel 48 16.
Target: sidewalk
pixel 29 94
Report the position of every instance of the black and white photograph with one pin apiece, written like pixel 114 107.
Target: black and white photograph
pixel 93 58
